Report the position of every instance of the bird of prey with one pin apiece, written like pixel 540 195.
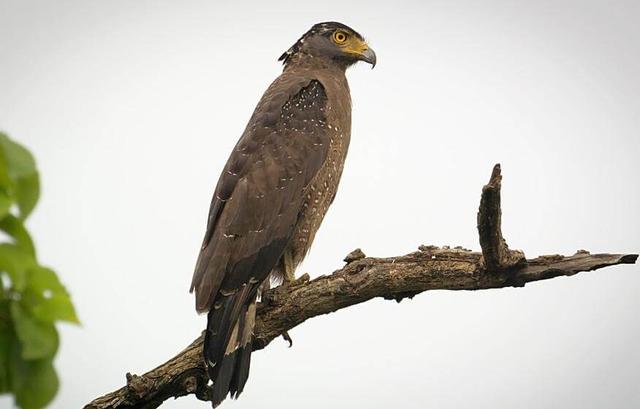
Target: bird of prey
pixel 273 193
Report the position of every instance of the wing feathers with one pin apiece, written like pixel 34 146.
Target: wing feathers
pixel 259 194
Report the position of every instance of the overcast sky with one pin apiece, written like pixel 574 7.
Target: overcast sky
pixel 131 109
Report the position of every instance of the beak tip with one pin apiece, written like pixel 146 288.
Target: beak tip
pixel 369 56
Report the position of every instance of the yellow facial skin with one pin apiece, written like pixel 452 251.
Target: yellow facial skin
pixel 350 44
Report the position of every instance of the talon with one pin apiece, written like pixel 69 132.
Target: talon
pixel 286 337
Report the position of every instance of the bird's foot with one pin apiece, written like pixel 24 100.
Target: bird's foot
pixel 288 277
pixel 287 337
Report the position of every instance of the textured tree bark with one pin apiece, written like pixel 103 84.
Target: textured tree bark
pixel 496 254
pixel 361 279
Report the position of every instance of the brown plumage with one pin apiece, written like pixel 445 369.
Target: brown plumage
pixel 273 193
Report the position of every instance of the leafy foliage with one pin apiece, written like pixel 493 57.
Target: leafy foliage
pixel 32 299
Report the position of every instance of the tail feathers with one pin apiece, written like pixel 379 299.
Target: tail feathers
pixel 241 373
pixel 227 347
pixel 223 381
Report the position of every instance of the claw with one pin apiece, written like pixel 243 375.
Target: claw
pixel 286 337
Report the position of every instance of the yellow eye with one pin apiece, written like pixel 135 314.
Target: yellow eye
pixel 339 37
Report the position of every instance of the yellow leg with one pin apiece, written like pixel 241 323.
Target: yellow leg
pixel 288 277
pixel 289 268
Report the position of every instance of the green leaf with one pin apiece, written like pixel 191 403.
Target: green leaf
pixel 34 383
pixel 7 338
pixel 14 227
pixel 56 307
pixel 41 387
pixel 19 159
pixel 5 204
pixel 15 262
pixel 22 171
pixel 28 189
pixel 46 298
pixel 38 339
pixel 5 181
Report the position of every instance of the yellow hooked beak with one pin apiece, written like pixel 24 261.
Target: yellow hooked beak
pixel 361 50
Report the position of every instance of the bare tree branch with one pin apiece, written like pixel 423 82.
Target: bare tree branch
pixel 361 279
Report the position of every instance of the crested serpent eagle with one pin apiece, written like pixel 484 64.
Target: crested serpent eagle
pixel 273 193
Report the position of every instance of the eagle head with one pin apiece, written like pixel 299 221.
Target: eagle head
pixel 333 42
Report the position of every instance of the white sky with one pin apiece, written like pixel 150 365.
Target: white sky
pixel 131 109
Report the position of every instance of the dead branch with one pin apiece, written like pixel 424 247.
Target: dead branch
pixel 495 252
pixel 361 279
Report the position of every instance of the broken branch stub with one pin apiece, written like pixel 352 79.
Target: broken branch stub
pixel 497 257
